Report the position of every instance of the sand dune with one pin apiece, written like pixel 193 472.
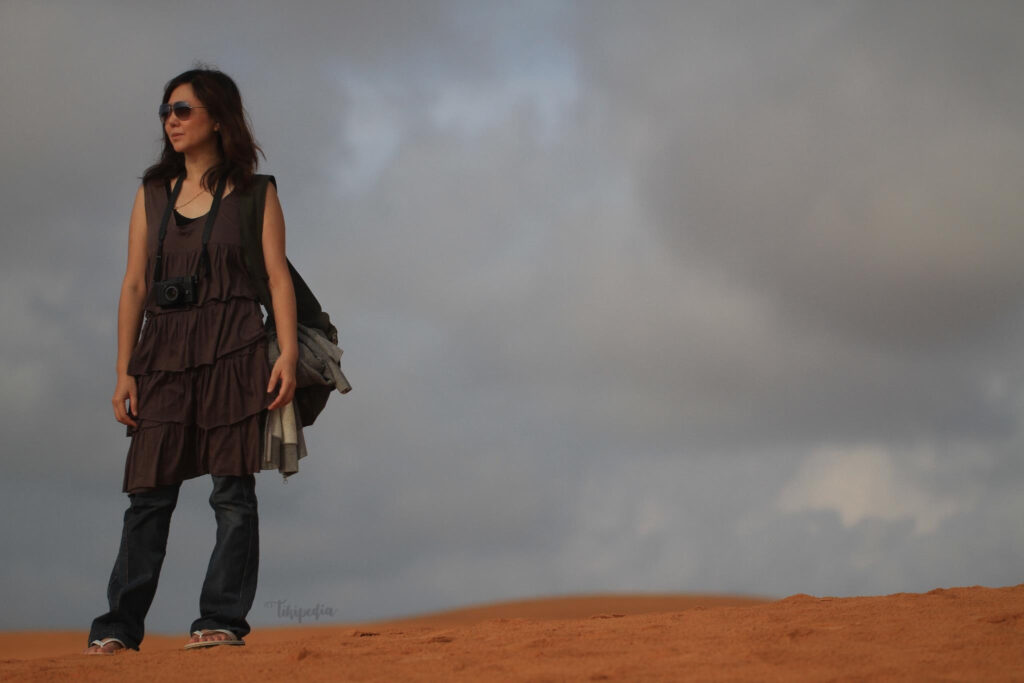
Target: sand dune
pixel 971 633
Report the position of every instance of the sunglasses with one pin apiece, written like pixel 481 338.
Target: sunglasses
pixel 181 109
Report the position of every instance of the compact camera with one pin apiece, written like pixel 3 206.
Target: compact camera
pixel 177 291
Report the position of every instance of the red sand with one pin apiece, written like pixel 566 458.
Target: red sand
pixel 972 634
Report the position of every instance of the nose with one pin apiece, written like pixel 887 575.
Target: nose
pixel 171 118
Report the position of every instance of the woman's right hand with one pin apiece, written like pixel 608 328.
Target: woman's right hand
pixel 126 389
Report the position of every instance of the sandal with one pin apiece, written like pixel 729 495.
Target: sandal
pixel 234 640
pixel 104 650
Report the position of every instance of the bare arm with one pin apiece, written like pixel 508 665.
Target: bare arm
pixel 282 295
pixel 129 311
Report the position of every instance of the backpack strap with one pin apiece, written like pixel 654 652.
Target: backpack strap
pixel 309 400
pixel 252 203
pixel 308 309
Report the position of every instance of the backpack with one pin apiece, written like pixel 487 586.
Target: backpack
pixel 312 388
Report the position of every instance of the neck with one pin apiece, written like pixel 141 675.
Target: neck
pixel 199 161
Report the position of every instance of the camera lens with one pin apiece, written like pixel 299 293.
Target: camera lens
pixel 171 293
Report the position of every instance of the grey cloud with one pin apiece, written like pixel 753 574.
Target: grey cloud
pixel 855 161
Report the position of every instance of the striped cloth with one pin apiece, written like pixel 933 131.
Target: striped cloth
pixel 283 444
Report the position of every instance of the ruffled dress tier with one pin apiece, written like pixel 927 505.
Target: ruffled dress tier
pixel 201 369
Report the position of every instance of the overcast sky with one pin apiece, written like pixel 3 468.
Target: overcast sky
pixel 675 297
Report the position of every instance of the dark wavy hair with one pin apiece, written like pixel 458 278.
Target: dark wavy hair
pixel 235 143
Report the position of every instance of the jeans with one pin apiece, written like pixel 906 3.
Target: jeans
pixel 230 585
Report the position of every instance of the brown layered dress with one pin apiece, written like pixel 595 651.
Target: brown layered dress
pixel 202 369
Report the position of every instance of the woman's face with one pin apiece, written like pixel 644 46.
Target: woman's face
pixel 194 133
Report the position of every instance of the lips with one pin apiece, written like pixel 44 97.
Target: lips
pixel 176 135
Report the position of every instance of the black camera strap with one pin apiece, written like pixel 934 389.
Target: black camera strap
pixel 204 261
pixel 158 268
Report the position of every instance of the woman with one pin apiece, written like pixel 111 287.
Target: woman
pixel 197 381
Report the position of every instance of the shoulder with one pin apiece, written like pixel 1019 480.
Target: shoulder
pixel 271 183
pixel 149 193
pixel 259 184
pixel 270 191
pixel 150 188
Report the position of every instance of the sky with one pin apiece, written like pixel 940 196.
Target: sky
pixel 688 297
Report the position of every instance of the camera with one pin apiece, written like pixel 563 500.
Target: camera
pixel 176 291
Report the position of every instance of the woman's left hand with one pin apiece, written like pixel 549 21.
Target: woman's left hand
pixel 283 372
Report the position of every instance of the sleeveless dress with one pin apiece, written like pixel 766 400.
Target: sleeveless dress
pixel 201 369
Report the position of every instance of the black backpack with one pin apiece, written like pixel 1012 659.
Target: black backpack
pixel 310 397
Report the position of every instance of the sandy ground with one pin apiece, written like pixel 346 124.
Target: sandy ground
pixel 974 634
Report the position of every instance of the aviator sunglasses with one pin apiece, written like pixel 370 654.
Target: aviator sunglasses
pixel 181 109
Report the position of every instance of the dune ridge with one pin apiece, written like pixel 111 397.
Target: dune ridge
pixel 969 633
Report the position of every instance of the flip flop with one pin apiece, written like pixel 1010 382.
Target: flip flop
pixel 210 643
pixel 103 643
